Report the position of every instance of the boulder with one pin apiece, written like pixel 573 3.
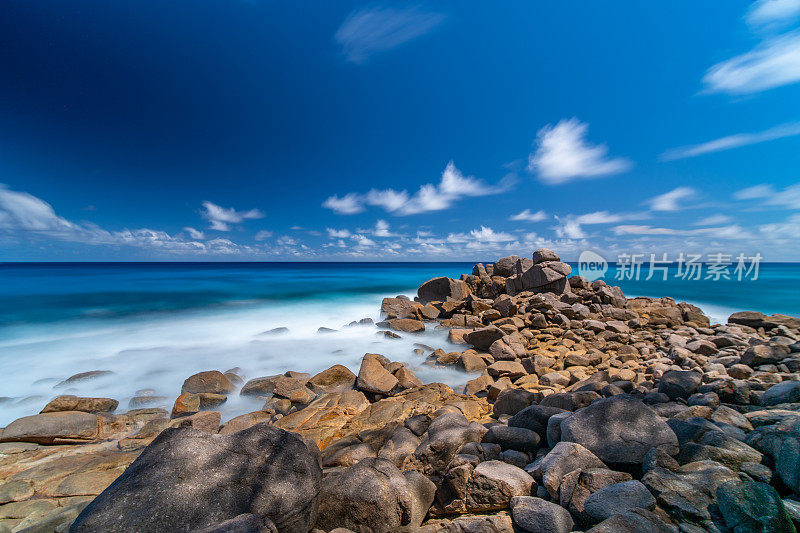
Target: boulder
pixel 64 427
pixel 506 266
pixel 68 402
pixel 442 289
pixel 484 337
pixel 752 506
pixel 494 483
pixel 210 381
pixel 408 325
pixel 536 515
pixel 635 521
pixel 784 392
pixel 679 383
pixel 373 377
pixel 619 429
pixel 544 254
pixel 374 495
pixel 445 436
pixel 187 479
pixel 244 523
pixel 511 438
pixel 618 498
pixel 400 308
pixel 565 457
pixel 335 379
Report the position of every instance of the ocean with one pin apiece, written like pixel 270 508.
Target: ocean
pixel 154 324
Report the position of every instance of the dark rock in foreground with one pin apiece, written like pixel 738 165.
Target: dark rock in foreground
pixel 187 479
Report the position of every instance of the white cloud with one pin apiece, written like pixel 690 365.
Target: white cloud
pixel 368 31
pixel 286 240
pixel 263 235
pixel 754 192
pixel 563 154
pixel 733 141
pixel 389 199
pixel 338 233
pixel 788 197
pixel 773 63
pixel 725 232
pixel 714 220
pixel 221 217
pixel 527 216
pixel 772 14
pixel 670 201
pixel 29 218
pixel 482 236
pixel 349 204
pixel 363 241
pixel 382 229
pixel 430 197
pixel 194 233
pixel 570 226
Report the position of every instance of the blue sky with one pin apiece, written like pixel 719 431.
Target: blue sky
pixel 253 130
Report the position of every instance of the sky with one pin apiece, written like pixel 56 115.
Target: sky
pixel 251 130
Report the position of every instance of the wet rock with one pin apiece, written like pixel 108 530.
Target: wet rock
pixel 619 429
pixel 262 470
pixel 83 376
pixel 374 494
pixel 75 403
pixel 212 381
pixel 409 325
pixel 186 404
pixel 536 515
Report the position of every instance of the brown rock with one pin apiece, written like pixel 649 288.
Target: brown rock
pixel 373 377
pixel 186 404
pixel 54 428
pixel 335 379
pixel 211 381
pixel 75 403
pixel 442 289
pixel 408 325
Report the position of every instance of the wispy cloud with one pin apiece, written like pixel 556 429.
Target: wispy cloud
pixel 772 14
pixel 773 63
pixel 366 32
pixel 733 141
pixel 222 217
pixel 263 235
pixel 787 198
pixel 194 233
pixel 714 220
pixel 571 226
pixel 725 232
pixel 527 216
pixel 563 154
pixel 671 201
pixel 430 197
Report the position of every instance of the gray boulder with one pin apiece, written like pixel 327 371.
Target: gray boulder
pixel 484 337
pixel 783 392
pixel 536 515
pixel 445 436
pixel 634 521
pixel 679 383
pixel 187 479
pixel 619 429
pixel 564 458
pixel 618 498
pixel 374 495
pixel 494 483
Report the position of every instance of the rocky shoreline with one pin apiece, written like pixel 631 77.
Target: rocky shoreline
pixel 584 411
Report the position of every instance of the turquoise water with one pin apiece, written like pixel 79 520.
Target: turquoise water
pixel 154 324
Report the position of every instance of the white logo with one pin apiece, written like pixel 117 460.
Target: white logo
pixel 592 266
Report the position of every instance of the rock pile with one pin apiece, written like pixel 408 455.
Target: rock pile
pixel 582 410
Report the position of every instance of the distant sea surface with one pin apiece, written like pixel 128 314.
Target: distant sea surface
pixel 154 324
